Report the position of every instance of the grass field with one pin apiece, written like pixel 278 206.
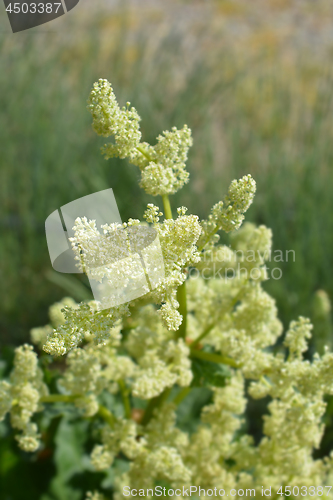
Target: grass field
pixel 253 107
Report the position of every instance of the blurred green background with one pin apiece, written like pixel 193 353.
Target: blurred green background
pixel 252 79
pixel 257 101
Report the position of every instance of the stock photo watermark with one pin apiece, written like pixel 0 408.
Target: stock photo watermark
pixel 122 261
pixel 197 491
pixel 26 14
pixel 229 264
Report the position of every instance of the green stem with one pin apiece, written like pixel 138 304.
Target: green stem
pixel 265 381
pixel 106 415
pixel 103 412
pixel 203 334
pixel 210 235
pixel 155 403
pixel 181 395
pixel 125 398
pixel 60 398
pixel 181 297
pixel 167 206
pixel 144 152
pixel 214 358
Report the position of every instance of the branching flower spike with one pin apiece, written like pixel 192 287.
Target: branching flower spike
pixel 205 333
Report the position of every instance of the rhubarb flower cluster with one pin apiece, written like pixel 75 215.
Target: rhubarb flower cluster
pixel 205 337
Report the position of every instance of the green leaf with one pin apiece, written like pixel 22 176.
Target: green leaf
pixel 206 373
pixel 189 410
pixel 69 458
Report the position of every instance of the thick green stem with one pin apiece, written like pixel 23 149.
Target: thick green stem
pixel 203 334
pixel 155 403
pixel 265 381
pixel 60 398
pixel 106 415
pixel 126 402
pixel 214 358
pixel 103 412
pixel 181 395
pixel 143 152
pixel 210 235
pixel 167 206
pixel 181 297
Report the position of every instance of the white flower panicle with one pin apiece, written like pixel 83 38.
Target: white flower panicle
pixel 165 173
pixel 56 311
pixel 162 361
pixel 158 452
pixel 152 214
pixel 83 377
pixel 163 165
pixel 253 239
pixel 40 334
pixel 5 398
pixel 162 430
pixel 228 214
pixel 239 198
pixel 121 438
pixel 110 120
pixel 80 323
pixel 250 249
pixel 296 337
pixel 94 368
pixel 178 240
pixel 21 396
pixel 188 332
pixel 159 370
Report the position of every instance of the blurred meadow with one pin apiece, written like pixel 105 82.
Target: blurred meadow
pixel 254 82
